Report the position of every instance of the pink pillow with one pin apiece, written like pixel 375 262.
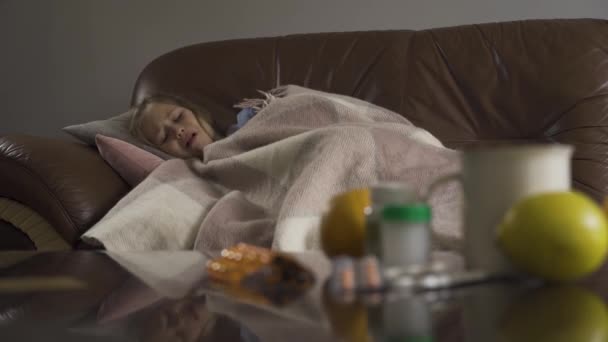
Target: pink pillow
pixel 131 162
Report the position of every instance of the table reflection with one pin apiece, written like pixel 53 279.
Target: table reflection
pixel 121 302
pixel 508 313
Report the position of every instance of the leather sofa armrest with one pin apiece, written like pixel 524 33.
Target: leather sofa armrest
pixel 67 183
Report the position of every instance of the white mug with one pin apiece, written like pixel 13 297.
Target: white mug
pixel 494 179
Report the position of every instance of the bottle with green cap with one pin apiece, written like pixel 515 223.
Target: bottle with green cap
pixel 405 236
pixel 382 194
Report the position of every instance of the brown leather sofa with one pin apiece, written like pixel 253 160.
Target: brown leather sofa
pixel 527 81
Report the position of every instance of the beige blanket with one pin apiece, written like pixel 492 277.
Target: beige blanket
pixel 270 182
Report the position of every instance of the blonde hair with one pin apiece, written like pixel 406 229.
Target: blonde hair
pixel 203 116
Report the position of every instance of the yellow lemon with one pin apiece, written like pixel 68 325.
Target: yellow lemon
pixel 558 236
pixel 343 226
pixel 564 313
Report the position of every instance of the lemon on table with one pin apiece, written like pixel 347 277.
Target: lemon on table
pixel 343 227
pixel 558 236
pixel 555 314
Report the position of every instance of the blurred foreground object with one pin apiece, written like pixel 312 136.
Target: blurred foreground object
pixel 259 274
pixel 556 235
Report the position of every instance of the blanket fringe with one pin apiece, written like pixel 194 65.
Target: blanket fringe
pixel 261 103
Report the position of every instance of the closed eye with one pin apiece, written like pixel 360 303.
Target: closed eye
pixel 178 117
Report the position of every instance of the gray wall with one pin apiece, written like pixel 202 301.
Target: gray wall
pixel 69 61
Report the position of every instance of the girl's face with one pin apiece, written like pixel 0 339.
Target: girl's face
pixel 174 129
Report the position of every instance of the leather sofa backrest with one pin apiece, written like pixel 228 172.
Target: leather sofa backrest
pixel 516 82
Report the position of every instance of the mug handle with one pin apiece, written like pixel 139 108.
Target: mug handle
pixel 425 196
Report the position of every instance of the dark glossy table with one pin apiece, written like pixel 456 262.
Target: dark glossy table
pixel 92 296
